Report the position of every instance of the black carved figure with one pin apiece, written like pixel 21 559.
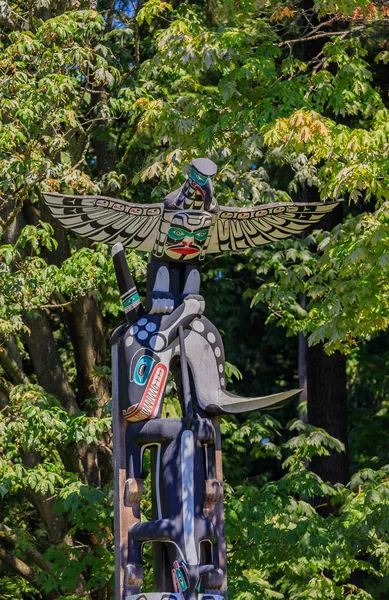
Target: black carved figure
pixel 170 334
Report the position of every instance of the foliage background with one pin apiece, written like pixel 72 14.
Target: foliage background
pixel 291 100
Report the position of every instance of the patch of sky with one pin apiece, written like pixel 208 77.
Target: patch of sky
pixel 127 9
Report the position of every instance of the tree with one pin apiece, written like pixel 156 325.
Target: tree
pixel 114 101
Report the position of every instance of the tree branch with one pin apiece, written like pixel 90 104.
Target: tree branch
pixel 36 557
pixel 18 565
pixel 47 361
pixel 310 38
pixel 12 368
pixel 22 569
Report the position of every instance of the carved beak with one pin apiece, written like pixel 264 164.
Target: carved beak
pixel 206 192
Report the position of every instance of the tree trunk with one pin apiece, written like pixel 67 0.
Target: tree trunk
pixel 325 375
pixel 46 360
pixel 90 348
pixel 327 408
pixel 327 393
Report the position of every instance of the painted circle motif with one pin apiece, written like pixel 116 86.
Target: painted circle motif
pixel 222 381
pixel 198 326
pixel 157 342
pixel 129 341
pixel 142 322
pixel 142 335
pixel 221 368
pixel 151 327
pixel 218 352
pixel 134 329
pixel 211 337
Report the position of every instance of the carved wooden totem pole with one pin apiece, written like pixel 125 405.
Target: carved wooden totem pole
pixel 169 332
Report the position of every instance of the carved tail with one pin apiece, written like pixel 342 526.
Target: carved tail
pixel 205 354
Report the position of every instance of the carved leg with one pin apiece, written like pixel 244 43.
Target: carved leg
pixel 159 299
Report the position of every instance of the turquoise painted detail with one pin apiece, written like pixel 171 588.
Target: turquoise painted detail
pixel 142 369
pixel 181 579
pixel 197 177
pixel 178 233
pixel 131 300
pixel 201 235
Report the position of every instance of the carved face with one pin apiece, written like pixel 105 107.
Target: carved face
pixel 187 235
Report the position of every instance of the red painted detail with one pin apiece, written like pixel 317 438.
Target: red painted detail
pixel 148 406
pixel 136 211
pixel 118 207
pixel 181 250
pixel 176 585
pixel 198 187
pixel 102 202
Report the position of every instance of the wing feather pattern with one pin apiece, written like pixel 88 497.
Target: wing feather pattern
pixel 108 220
pixel 239 228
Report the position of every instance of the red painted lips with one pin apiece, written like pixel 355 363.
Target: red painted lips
pixel 185 250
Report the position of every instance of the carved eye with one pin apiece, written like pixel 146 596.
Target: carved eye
pixel 142 369
pixel 201 235
pixel 176 233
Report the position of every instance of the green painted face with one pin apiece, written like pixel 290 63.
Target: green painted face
pixel 179 233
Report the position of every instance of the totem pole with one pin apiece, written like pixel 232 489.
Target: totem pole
pixel 169 333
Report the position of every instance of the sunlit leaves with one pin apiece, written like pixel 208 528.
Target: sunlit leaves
pixel 234 85
pixel 34 423
pixel 281 547
pixel 347 286
pixel 152 9
pixel 47 79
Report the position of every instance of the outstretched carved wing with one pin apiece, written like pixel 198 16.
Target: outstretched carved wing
pixel 239 228
pixel 108 220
